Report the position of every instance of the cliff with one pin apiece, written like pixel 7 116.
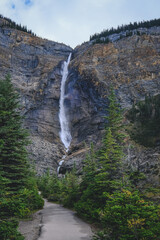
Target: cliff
pixel 35 67
pixel 130 65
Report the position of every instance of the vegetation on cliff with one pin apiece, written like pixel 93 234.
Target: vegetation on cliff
pixel 103 36
pixel 104 194
pixel 145 117
pixel 9 23
pixel 18 190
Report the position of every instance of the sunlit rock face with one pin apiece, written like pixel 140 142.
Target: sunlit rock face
pixel 130 65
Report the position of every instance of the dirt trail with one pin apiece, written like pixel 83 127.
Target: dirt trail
pixel 59 223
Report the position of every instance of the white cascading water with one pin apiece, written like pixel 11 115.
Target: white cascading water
pixel 60 164
pixel 65 134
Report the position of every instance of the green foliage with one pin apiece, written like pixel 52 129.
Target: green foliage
pixel 127 216
pixel 8 230
pixel 70 190
pixel 145 118
pixel 3 182
pixel 50 186
pixel 101 195
pixel 111 154
pixel 98 40
pixel 19 205
pixel 115 118
pixel 136 177
pixel 103 168
pixel 110 157
pixel 88 201
pixel 88 205
pixel 89 169
pixel 9 23
pixel 64 190
pixel 13 155
pixel 18 191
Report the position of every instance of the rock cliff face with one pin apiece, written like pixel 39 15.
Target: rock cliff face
pixel 35 67
pixel 130 65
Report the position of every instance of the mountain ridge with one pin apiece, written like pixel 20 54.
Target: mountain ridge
pixel 130 65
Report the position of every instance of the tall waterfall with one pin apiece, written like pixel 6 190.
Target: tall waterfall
pixel 65 134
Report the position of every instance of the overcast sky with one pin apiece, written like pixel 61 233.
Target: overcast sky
pixel 73 21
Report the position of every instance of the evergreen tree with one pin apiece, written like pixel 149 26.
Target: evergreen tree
pixel 115 118
pixel 105 175
pixel 109 177
pixel 13 155
pixel 70 188
pixel 111 153
pixel 18 196
pixel 89 169
pixel 130 27
pixel 144 117
pixel 128 216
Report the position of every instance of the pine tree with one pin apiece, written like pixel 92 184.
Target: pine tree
pixel 103 175
pixel 70 188
pixel 90 168
pixel 18 197
pixel 127 216
pixel 110 175
pixel 115 118
pixel 13 139
pixel 111 153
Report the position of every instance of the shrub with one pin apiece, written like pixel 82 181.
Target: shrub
pixel 127 216
pixel 8 230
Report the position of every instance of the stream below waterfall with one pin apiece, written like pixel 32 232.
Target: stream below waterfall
pixel 59 223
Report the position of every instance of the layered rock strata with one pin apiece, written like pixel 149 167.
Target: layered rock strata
pixel 35 68
pixel 130 65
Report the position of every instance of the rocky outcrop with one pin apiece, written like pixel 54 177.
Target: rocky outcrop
pixel 35 68
pixel 123 34
pixel 145 160
pixel 130 65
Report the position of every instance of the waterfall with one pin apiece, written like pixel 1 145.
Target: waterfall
pixel 60 164
pixel 65 134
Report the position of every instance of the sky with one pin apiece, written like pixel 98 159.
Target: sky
pixel 73 21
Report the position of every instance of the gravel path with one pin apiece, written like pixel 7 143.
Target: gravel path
pixel 30 229
pixel 59 223
pixel 55 222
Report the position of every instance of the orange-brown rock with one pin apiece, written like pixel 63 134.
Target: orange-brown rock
pixel 130 65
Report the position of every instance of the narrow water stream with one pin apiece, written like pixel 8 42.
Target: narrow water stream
pixel 59 223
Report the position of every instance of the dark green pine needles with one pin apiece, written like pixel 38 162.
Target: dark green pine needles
pixel 13 139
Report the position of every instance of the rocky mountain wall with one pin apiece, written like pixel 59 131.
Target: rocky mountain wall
pixel 130 65
pixel 35 68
